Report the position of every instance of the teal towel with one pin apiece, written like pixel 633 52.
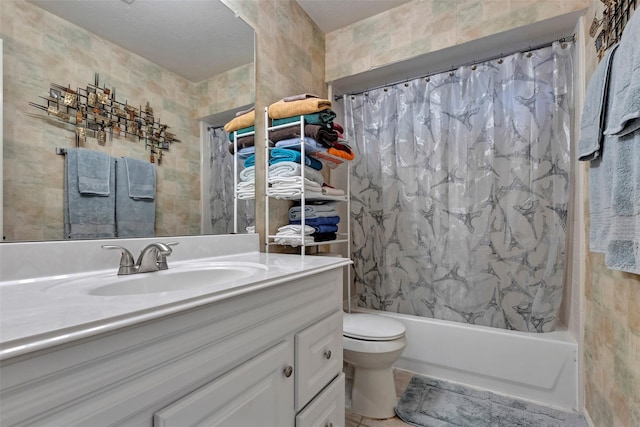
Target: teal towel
pixel 287 155
pixel 323 118
pixel 242 131
pixel 94 172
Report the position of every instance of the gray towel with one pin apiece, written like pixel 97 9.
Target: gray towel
pixel 141 176
pixel 135 215
pixel 625 110
pixel 94 172
pixel 87 216
pixel 594 111
pixel 614 178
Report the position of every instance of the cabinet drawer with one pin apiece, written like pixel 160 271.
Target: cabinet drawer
pixel 318 357
pixel 255 393
pixel 327 410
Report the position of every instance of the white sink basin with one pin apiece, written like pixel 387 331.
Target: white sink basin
pixel 210 275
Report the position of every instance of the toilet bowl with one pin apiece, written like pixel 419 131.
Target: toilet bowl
pixel 371 345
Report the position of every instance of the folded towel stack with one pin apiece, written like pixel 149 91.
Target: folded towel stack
pixel 313 148
pixel 291 187
pixel 293 235
pixel 289 169
pixel 324 139
pixel 321 216
pixel 243 123
pixel 313 210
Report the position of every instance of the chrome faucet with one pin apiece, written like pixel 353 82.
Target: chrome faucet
pixel 152 258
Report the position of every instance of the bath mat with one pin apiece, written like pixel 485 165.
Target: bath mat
pixel 433 403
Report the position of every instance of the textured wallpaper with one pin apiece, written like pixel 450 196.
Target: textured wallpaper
pixel 423 26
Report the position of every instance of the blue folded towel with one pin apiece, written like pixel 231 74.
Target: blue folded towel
pixel 135 215
pixel 594 111
pixel 90 215
pixel 246 152
pixel 310 144
pixel 625 108
pixel 291 155
pixel 94 172
pixel 327 220
pixel 250 161
pixel 313 211
pixel 141 177
pixel 325 228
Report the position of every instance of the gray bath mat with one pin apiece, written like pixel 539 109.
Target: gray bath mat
pixel 432 403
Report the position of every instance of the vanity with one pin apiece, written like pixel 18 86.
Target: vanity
pixel 261 348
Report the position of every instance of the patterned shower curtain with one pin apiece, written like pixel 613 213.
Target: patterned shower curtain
pixel 221 187
pixel 460 190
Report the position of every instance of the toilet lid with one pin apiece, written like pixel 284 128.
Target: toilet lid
pixel 371 327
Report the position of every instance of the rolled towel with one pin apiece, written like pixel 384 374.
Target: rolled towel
pixel 322 228
pixel 331 191
pixel 288 169
pixel 244 121
pixel 286 155
pixel 295 230
pixel 248 174
pixel 313 211
pixel 250 161
pixel 282 108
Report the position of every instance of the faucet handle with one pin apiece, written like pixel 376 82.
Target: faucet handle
pixel 162 257
pixel 127 264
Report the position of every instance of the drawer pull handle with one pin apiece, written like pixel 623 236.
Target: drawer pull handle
pixel 327 354
pixel 288 371
pixel 328 425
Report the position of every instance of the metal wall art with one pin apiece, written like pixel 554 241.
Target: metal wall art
pixel 614 18
pixel 95 112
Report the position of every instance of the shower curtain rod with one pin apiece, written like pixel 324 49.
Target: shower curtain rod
pixel 492 58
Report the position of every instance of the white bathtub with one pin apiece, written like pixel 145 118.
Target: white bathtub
pixel 537 367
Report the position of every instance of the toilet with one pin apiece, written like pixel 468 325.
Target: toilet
pixel 372 343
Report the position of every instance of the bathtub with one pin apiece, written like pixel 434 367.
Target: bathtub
pixel 537 367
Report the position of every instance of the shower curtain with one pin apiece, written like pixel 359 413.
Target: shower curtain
pixel 460 190
pixel 221 187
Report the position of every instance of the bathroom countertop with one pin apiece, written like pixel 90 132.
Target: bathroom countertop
pixel 35 315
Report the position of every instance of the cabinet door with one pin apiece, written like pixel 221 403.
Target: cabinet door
pixel 257 393
pixel 326 410
pixel 318 357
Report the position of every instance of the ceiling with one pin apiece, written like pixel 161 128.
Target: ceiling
pixel 331 15
pixel 196 39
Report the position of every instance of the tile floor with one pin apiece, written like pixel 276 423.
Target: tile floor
pixel 402 379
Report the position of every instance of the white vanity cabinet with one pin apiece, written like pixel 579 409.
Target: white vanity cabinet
pixel 271 357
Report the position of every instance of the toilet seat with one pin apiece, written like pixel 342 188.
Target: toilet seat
pixel 371 327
